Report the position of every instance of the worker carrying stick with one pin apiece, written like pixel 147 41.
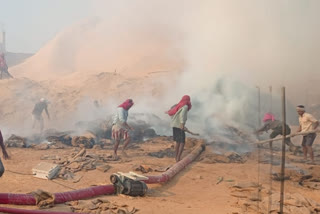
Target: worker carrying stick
pixel 276 126
pixel 307 123
pixel 120 127
pixel 178 115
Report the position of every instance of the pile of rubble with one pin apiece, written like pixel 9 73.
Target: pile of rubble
pixel 168 152
pixel 228 157
pixel 249 194
pixel 100 206
pixel 16 141
pixel 101 129
pixel 305 178
pixel 230 138
pixel 93 133
pixel 80 161
pixel 293 203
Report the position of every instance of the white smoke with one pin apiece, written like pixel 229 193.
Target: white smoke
pixel 215 51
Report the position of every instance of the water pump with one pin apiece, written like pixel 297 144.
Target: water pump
pixel 129 183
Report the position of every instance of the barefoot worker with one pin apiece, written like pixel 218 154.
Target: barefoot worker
pixel 37 113
pixel 276 126
pixel 307 123
pixel 120 127
pixel 179 113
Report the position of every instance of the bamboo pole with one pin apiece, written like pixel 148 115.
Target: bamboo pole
pixel 283 158
pixel 287 136
pixel 270 90
pixel 259 124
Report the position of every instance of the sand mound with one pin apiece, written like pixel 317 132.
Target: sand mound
pixel 92 47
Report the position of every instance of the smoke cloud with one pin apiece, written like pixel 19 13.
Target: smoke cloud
pixel 218 52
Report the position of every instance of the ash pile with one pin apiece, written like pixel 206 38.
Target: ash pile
pixel 88 134
pixel 228 145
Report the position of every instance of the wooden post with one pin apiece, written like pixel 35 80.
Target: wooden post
pixel 259 107
pixel 271 160
pixel 270 90
pixel 259 125
pixel 283 158
pixel 4 41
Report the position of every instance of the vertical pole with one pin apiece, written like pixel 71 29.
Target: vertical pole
pixel 259 107
pixel 283 158
pixel 270 181
pixel 271 160
pixel 307 96
pixel 270 90
pixel 4 41
pixel 259 125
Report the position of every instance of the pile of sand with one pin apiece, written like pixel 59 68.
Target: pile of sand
pixel 93 46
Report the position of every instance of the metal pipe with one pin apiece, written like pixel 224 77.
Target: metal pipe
pixel 283 158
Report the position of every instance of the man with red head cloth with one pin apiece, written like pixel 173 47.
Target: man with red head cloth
pixel 270 123
pixel 120 127
pixel 178 115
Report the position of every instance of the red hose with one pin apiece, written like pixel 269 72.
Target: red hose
pixel 23 211
pixel 166 176
pixel 84 193
pixel 28 199
pixel 19 199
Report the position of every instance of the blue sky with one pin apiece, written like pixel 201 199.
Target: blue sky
pixel 29 24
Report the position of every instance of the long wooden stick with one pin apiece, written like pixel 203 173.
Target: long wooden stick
pixel 287 136
pixel 283 156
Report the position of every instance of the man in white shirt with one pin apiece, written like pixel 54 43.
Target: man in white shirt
pixel 307 123
pixel 178 115
pixel 120 127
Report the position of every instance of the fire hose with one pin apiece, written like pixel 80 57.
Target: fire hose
pixel 24 211
pixel 28 199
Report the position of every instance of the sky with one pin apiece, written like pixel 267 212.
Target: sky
pixel 29 24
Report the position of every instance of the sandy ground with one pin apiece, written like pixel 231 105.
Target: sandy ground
pixel 194 190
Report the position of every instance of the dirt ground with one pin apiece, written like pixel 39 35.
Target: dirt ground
pixel 195 189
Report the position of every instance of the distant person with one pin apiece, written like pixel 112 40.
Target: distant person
pixel 179 117
pixel 120 127
pixel 5 154
pixel 4 74
pixel 276 126
pixel 37 113
pixel 96 104
pixel 307 123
